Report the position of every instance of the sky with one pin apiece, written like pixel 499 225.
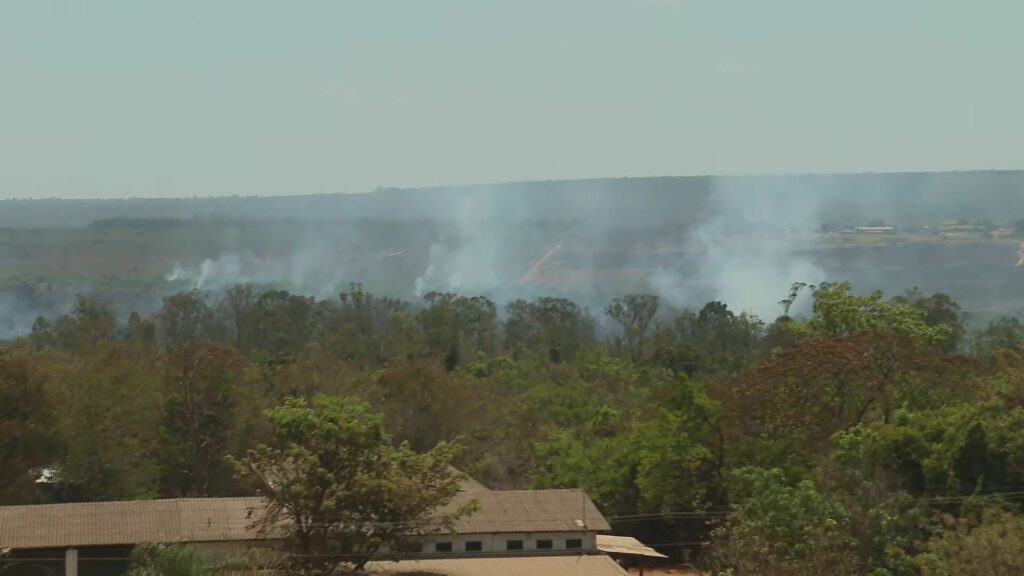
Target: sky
pixel 240 97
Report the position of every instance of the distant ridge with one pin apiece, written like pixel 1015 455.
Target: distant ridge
pixel 995 195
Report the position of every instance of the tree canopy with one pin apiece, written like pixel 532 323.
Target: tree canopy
pixel 872 435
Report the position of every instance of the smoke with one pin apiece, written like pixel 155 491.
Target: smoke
pixel 217 273
pixel 21 305
pixel 17 316
pixel 474 250
pixel 741 240
pixel 307 271
pixel 748 250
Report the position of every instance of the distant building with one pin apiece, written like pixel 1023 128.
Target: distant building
pixel 874 229
pixel 961 227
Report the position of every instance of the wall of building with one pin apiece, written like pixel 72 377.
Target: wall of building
pixel 497 543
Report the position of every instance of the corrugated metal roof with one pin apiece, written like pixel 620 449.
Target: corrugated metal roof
pixel 593 565
pixel 468 484
pixel 626 545
pixel 530 511
pixel 113 523
pixel 231 519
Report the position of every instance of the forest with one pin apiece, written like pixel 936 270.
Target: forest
pixel 875 434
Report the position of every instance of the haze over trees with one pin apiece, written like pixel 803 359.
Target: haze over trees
pixel 875 435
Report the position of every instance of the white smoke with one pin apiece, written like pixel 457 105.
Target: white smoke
pixel 311 271
pixel 213 273
pixel 750 249
pixel 467 256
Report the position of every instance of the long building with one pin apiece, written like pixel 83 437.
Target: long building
pixel 96 538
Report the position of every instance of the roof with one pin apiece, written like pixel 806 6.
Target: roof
pixel 530 511
pixel 232 519
pixel 468 484
pixel 132 522
pixel 626 546
pixel 590 565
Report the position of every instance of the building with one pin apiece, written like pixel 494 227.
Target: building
pixel 874 229
pixel 552 565
pixel 629 552
pixel 84 539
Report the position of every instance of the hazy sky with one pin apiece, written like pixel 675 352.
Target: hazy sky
pixel 182 98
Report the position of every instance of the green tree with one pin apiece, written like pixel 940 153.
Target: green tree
pixel 554 327
pixel 953 450
pixel 89 324
pixel 184 318
pixel 783 529
pixel 725 342
pixel 634 314
pixel 838 312
pixel 987 545
pixel 202 385
pixel 356 327
pixel 1003 335
pixel 456 328
pixel 939 310
pixel 279 324
pixel 27 440
pixel 107 412
pixel 235 312
pixel 179 560
pixel 334 479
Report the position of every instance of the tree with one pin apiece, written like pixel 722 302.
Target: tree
pixel 89 324
pixel 184 318
pixel 784 530
pixel 839 313
pixel 989 544
pixel 950 451
pixel 27 440
pixel 456 328
pixel 235 309
pixel 799 398
pixel 634 314
pixel 356 327
pixel 726 342
pixel 201 391
pixel 340 487
pixel 107 412
pixel 278 323
pixel 554 327
pixel 424 404
pixel 178 560
pixel 1001 336
pixel 939 310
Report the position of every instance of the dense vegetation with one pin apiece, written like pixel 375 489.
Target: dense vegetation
pixel 875 436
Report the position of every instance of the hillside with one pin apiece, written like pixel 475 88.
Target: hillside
pixel 897 198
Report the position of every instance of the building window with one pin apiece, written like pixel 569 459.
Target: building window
pixel 443 547
pixel 474 546
pixel 514 545
pixel 573 544
pixel 544 545
pixel 410 547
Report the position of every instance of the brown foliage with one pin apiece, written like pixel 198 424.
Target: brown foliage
pixel 824 385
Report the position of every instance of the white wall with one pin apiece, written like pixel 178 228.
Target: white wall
pixel 496 543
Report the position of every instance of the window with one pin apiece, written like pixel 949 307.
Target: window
pixel 443 547
pixel 573 544
pixel 514 545
pixel 474 546
pixel 410 547
pixel 544 545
